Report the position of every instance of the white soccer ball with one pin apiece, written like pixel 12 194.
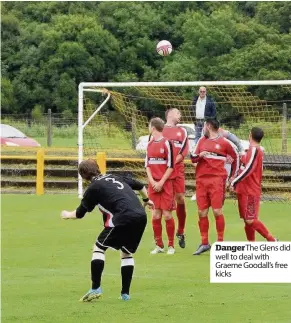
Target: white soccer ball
pixel 164 48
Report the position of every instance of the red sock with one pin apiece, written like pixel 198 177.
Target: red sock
pixel 181 215
pixel 204 227
pixel 250 232
pixel 263 231
pixel 170 227
pixel 157 228
pixel 220 226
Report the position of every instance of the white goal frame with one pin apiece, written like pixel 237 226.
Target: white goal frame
pixel 97 87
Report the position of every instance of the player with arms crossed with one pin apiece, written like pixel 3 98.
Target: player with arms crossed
pixel 159 165
pixel 178 137
pixel 124 222
pixel 248 186
pixel 210 155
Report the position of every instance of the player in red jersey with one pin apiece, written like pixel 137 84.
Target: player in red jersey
pixel 210 155
pixel 231 137
pixel 248 186
pixel 234 139
pixel 159 166
pixel 178 137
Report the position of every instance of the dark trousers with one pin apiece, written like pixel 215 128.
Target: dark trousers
pixel 198 129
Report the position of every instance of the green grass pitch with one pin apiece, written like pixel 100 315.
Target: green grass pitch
pixel 46 269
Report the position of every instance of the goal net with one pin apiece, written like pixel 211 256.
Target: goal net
pixel 113 118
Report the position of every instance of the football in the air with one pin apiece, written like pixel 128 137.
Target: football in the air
pixel 164 48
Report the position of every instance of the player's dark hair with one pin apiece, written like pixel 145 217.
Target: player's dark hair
pixel 257 134
pixel 213 122
pixel 88 169
pixel 157 123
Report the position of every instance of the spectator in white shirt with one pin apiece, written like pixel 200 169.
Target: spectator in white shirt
pixel 204 108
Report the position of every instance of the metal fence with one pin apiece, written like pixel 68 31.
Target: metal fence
pixel 112 130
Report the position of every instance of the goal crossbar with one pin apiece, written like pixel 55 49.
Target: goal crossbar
pixel 83 85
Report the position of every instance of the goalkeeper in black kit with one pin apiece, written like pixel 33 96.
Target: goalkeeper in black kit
pixel 124 222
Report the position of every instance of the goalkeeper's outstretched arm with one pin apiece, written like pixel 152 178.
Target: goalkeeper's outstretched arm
pixel 87 204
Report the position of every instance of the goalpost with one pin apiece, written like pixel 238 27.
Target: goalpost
pixel 111 116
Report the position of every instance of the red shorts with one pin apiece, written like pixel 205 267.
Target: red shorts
pixel 164 200
pixel 210 191
pixel 179 183
pixel 248 206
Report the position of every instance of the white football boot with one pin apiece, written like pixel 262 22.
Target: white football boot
pixel 157 250
pixel 170 251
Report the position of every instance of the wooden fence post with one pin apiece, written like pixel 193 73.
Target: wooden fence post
pixel 101 161
pixel 40 172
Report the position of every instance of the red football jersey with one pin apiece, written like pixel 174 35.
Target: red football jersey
pixel 179 139
pixel 159 157
pixel 249 180
pixel 213 163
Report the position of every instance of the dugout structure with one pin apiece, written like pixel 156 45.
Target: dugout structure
pixel 112 117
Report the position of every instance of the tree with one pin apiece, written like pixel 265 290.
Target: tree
pixel 7 97
pixel 48 48
pixel 275 14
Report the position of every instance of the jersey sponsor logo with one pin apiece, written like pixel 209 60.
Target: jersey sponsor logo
pixel 153 158
pixel 215 154
pixel 157 161
pixel 210 156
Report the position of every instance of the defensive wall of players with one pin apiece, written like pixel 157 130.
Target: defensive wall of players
pixel 47 170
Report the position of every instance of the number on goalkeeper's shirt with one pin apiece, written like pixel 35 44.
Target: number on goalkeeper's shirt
pixel 120 186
